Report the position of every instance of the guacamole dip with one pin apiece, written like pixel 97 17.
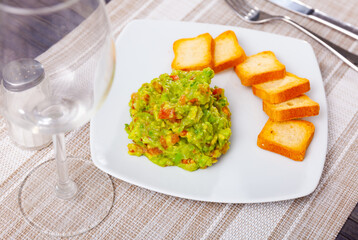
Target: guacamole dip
pixel 178 120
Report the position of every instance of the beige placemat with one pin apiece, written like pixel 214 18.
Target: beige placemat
pixel 142 214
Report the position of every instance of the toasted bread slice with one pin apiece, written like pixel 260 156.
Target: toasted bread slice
pixel 298 107
pixel 259 68
pixel 228 53
pixel 194 53
pixel 290 138
pixel 283 89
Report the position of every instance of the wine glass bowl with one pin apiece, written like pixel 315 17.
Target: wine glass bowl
pixel 56 72
pixel 78 81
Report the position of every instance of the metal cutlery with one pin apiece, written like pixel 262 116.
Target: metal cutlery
pixel 307 11
pixel 254 15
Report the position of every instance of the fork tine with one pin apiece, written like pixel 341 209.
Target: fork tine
pixel 237 8
pixel 245 10
pixel 241 5
pixel 233 4
pixel 245 5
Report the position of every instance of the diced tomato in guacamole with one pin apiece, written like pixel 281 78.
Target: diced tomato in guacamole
pixel 178 120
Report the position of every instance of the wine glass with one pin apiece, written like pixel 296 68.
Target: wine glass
pixel 57 67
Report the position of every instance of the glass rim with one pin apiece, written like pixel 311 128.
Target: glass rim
pixel 36 11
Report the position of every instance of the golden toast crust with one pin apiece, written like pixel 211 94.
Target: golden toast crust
pixel 194 53
pixel 228 53
pixel 259 68
pixel 299 107
pixel 275 137
pixel 290 89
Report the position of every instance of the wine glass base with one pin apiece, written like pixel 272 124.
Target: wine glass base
pixel 64 218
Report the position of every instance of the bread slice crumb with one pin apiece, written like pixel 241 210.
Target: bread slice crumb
pixel 259 68
pixel 194 53
pixel 290 138
pixel 298 107
pixel 228 53
pixel 281 90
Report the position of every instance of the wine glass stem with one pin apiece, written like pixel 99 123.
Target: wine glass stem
pixel 65 187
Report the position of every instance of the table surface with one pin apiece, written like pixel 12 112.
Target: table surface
pixel 140 213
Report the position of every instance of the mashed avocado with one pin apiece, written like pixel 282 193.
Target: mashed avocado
pixel 178 120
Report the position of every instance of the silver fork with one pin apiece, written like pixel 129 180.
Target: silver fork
pixel 253 15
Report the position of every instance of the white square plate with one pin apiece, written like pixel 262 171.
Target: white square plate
pixel 246 173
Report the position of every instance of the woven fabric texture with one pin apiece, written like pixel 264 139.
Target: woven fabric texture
pixel 142 214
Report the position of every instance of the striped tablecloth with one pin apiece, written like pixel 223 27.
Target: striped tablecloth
pixel 142 214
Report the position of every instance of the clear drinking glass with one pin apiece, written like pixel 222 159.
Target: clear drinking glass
pixel 57 66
